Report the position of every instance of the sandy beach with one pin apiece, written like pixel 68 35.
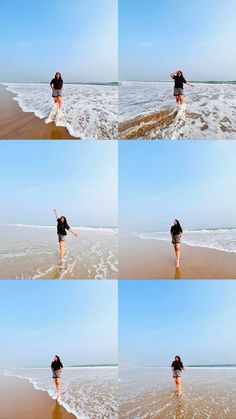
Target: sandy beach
pixel 16 124
pixel 20 400
pixel 155 259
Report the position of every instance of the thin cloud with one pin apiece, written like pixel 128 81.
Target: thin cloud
pixel 145 44
pixel 44 331
pixel 157 197
pixel 26 44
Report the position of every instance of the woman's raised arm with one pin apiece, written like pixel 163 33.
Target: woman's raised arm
pixel 56 215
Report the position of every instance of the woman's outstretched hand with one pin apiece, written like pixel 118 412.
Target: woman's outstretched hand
pixel 73 232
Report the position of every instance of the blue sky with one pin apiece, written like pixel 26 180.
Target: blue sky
pixel 75 319
pixel 76 37
pixel 159 319
pixel 77 178
pixel 157 37
pixel 193 181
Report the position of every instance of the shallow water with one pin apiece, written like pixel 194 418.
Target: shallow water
pixel 210 110
pixel 87 392
pixel 219 239
pixel 208 393
pixel 89 111
pixel 33 252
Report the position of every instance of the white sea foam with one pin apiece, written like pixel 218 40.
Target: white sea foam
pixel 210 112
pixel 90 111
pixel 219 239
pixel 82 228
pixel 86 392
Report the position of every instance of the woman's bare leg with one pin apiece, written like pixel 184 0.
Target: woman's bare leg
pixel 181 99
pixel 178 385
pixel 58 386
pixel 174 246
pixel 59 100
pixel 62 249
pixel 175 380
pixel 177 252
pixel 55 100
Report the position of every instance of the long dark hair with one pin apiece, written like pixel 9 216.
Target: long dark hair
pixel 60 78
pixel 65 220
pixel 178 224
pixel 179 359
pixel 181 74
pixel 58 358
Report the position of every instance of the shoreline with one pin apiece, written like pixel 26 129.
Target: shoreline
pixel 155 259
pixel 15 124
pixel 20 399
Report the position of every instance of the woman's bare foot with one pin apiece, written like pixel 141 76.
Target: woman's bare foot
pixel 177 263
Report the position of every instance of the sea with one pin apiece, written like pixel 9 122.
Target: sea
pixel 87 392
pixel 223 239
pixel 32 251
pixel 147 110
pixel 89 110
pixel 208 392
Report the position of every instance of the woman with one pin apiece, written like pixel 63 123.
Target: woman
pixel 177 368
pixel 62 226
pixel 176 233
pixel 56 85
pixel 56 367
pixel 179 86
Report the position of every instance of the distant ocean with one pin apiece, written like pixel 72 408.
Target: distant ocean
pixel 210 110
pixel 90 110
pixel 32 251
pixel 87 392
pixel 223 239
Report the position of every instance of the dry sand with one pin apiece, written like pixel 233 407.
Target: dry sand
pixel 20 400
pixel 139 258
pixel 16 124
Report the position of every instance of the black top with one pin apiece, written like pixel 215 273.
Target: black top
pixel 176 230
pixel 62 227
pixel 177 365
pixel 55 365
pixel 57 84
pixel 179 81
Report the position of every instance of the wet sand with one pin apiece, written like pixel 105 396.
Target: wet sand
pixel 16 124
pixel 20 400
pixel 139 258
pixel 146 126
pixel 150 393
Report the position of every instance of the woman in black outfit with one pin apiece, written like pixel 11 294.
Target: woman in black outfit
pixel 62 226
pixel 176 233
pixel 177 368
pixel 56 85
pixel 56 367
pixel 179 86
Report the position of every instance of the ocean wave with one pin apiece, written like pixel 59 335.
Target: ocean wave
pixel 147 110
pixel 89 111
pixel 216 239
pixel 85 392
pixel 94 229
